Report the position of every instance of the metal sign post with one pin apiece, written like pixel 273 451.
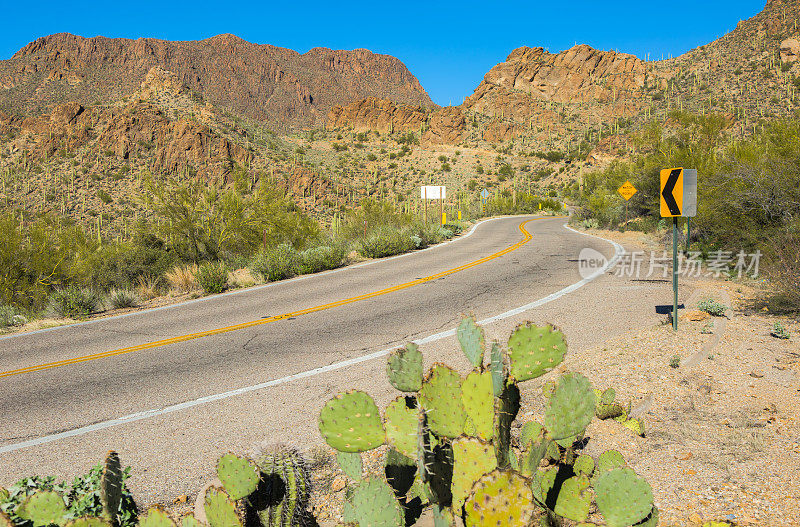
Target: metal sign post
pixel 678 198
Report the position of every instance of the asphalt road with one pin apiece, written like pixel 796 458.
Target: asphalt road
pixel 167 449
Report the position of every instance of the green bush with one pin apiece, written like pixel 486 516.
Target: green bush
pixel 385 242
pixel 82 497
pixel 277 263
pixel 322 258
pixel 122 298
pixel 75 302
pixel 712 307
pixel 212 277
pixel 9 316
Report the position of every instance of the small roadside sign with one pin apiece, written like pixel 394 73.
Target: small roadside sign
pixel 484 193
pixel 432 192
pixel 678 193
pixel 627 190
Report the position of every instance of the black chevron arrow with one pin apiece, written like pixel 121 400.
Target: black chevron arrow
pixel 669 199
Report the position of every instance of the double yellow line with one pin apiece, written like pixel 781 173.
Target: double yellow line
pixel 192 336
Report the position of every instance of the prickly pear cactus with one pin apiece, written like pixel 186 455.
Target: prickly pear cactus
pixel 500 497
pixel 636 425
pixel 351 422
pixel 497 366
pixel 43 508
pixel 400 422
pixel 156 517
pixel 374 504
pixel 623 498
pixel 574 500
pixel 111 487
pixel 478 398
pixel 534 351
pixel 82 522
pixel 238 475
pixel 188 520
pixel 220 510
pixel 404 368
pixel 440 396
pixel 470 337
pixel 472 458
pixel 571 406
pixel 350 463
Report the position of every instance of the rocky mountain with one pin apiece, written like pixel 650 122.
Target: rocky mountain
pixel 582 97
pixel 278 86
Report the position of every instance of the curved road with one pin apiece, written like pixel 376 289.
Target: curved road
pixel 64 379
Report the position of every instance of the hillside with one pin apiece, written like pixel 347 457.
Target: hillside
pixel 280 87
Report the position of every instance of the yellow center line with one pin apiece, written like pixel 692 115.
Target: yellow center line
pixel 191 336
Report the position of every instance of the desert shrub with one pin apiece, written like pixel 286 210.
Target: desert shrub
pixel 10 316
pixel 81 497
pixel 377 214
pixel 122 298
pixel 277 263
pixel 385 242
pixel 322 258
pixel 119 266
pixel 455 228
pixel 241 278
pixel 182 278
pixel 712 307
pixel 75 302
pixel 212 277
pixel 784 271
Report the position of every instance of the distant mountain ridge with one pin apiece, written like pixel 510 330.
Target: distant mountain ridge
pixel 279 86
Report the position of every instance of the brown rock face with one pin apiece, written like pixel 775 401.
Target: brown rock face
pixel 447 126
pixel 579 74
pixel 264 82
pixel 377 114
pixel 790 50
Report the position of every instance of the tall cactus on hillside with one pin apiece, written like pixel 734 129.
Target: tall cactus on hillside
pixel 459 431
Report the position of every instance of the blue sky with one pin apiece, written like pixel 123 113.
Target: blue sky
pixel 448 45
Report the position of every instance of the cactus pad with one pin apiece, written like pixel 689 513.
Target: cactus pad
pixel 636 425
pixel 111 487
pixel 583 465
pixel 531 431
pixel 404 368
pixel 238 475
pixel 500 498
pixel 470 337
pixel 573 502
pixel 535 350
pixel 351 465
pixel 497 367
pixel 506 410
pixel 156 517
pixel 401 426
pixel 43 508
pixel 623 498
pixel 478 398
pixel 351 422
pixel 220 510
pixel 608 410
pixel 472 458
pixel 87 521
pixel 571 406
pixel 188 520
pixel 608 460
pixel 374 504
pixel 440 396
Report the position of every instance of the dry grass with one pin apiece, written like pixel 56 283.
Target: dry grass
pixel 148 288
pixel 241 278
pixel 182 278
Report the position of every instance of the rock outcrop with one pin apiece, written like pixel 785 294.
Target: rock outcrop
pixel 377 114
pixel 790 50
pixel 277 85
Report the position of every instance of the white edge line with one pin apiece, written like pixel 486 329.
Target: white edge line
pixel 251 289
pixel 618 252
